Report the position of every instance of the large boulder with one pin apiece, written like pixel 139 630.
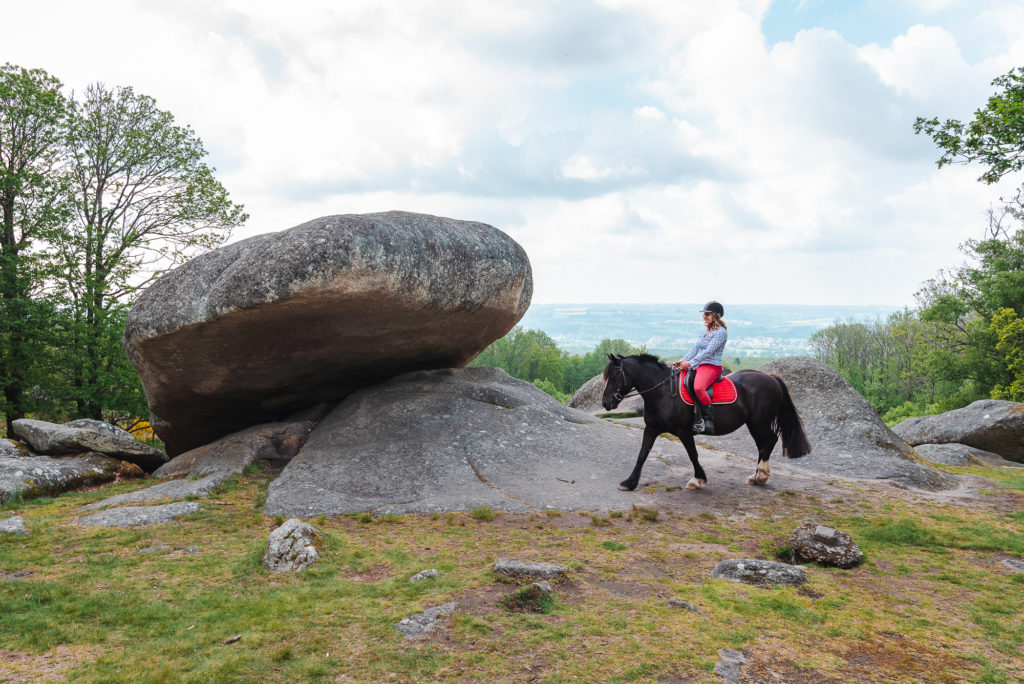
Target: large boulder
pixel 261 328
pixel 457 439
pixel 33 476
pixel 51 439
pixel 847 437
pixel 989 424
pixel 588 398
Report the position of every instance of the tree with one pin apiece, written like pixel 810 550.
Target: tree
pixel 143 200
pixel 995 137
pixel 979 304
pixel 32 118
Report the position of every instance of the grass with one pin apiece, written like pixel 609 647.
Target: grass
pixel 931 603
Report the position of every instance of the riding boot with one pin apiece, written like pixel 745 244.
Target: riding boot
pixel 702 421
pixel 709 425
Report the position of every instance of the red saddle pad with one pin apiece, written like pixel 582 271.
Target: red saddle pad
pixel 724 391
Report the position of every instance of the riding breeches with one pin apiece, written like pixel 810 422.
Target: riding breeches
pixel 704 376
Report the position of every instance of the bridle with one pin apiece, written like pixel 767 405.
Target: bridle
pixel 619 396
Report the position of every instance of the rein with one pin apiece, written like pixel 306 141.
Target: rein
pixel 619 396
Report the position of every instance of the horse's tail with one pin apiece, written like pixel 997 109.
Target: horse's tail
pixel 787 425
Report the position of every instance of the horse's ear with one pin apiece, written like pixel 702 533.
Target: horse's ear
pixel 614 360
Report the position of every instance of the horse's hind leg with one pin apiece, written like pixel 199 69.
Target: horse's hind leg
pixel 630 483
pixel 765 439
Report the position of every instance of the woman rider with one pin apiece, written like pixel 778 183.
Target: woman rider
pixel 706 360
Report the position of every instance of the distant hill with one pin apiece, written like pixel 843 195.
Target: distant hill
pixel 763 330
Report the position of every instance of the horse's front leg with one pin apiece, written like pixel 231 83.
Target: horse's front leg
pixel 630 483
pixel 699 478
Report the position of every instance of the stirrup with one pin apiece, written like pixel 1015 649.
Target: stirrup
pixel 698 428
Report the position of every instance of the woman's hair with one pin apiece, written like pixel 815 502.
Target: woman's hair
pixel 716 321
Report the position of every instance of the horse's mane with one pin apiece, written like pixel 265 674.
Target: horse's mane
pixel 642 358
pixel 648 358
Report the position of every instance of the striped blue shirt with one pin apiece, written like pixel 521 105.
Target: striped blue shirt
pixel 708 349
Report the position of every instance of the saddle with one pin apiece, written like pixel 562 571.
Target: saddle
pixel 721 391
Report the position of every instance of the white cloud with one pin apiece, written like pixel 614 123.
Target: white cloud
pixel 636 148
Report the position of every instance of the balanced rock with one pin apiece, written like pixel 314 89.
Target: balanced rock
pixel 989 424
pixel 261 328
pixel 814 543
pixel 846 434
pixel 51 439
pixel 588 398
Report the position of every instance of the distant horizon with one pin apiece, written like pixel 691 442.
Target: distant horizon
pixel 754 329
pixel 699 303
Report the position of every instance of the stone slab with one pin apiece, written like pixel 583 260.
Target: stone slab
pixel 136 516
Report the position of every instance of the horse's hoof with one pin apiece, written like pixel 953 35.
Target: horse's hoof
pixel 624 486
pixel 694 483
pixel 752 480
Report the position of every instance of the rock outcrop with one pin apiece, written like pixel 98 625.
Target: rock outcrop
pixel 588 398
pixel 261 328
pixel 275 443
pixel 139 516
pixel 34 476
pixel 989 424
pixel 51 439
pixel 963 455
pixel 847 437
pixel 458 439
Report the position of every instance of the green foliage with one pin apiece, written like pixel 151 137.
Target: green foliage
pixel 483 513
pixel 1009 329
pixel 98 196
pixel 533 356
pixel 33 116
pixel 995 138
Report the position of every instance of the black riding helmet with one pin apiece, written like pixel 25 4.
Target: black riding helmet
pixel 713 307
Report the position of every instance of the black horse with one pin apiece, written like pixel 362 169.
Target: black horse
pixel 762 404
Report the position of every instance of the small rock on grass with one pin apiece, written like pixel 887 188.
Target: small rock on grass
pixel 514 568
pixel 292 547
pixel 1015 564
pixel 814 543
pixel 423 574
pixel 418 625
pixel 758 572
pixel 728 668
pixel 688 606
pixel 13 525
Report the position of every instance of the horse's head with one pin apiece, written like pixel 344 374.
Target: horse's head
pixel 617 383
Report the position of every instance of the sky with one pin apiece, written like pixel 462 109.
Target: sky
pixel 641 151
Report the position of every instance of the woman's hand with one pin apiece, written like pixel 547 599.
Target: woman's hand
pixel 681 365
